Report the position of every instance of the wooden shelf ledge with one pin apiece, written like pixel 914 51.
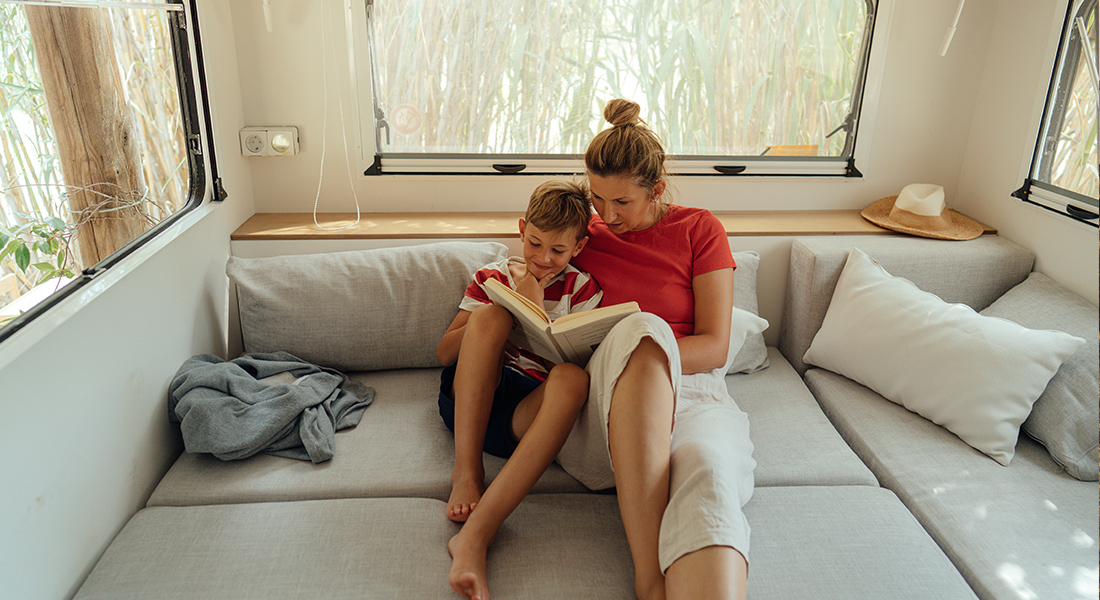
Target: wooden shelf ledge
pixel 478 225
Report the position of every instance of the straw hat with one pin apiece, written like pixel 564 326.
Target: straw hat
pixel 919 210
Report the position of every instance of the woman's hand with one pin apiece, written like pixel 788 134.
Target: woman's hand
pixel 708 347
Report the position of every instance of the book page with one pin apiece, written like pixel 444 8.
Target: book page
pixel 578 319
pixel 515 302
pixel 578 338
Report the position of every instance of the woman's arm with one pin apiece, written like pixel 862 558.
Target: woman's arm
pixel 447 350
pixel 706 349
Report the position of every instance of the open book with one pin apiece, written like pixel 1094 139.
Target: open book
pixel 571 338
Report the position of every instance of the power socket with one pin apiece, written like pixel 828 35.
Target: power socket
pixel 269 141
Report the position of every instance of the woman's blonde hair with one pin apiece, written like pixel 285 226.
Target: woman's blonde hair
pixel 629 148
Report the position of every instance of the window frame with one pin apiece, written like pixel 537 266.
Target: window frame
pixel 1036 191
pixel 373 163
pixel 194 101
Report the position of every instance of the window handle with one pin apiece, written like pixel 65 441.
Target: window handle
pixel 729 169
pixel 1078 213
pixel 509 168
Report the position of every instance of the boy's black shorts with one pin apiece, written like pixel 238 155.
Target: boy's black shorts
pixel 514 387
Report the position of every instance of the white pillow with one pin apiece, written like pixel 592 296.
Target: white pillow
pixel 743 326
pixel 977 376
pixel 754 355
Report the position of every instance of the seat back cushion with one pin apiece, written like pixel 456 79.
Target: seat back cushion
pixel 1064 417
pixel 974 272
pixel 363 310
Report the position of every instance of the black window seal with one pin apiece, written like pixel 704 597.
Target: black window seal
pixel 1054 113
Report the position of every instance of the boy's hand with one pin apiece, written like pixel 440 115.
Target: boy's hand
pixel 530 287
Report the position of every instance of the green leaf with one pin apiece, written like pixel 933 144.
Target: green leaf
pixel 23 257
pixel 10 247
pixel 57 224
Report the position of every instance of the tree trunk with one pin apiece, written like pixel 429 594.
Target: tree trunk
pixel 93 126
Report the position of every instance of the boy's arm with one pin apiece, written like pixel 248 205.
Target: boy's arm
pixel 447 350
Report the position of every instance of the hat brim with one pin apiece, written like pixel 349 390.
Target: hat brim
pixel 958 227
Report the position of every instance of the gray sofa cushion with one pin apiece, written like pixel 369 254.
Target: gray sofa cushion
pixel 793 441
pixel 974 272
pixel 357 311
pixel 1064 417
pixel 400 448
pixel 842 543
pixel 551 547
pixel 1027 530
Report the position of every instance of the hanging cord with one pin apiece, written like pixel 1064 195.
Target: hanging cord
pixel 324 131
pixel 951 29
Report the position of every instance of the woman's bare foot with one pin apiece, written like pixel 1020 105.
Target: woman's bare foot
pixel 469 571
pixel 465 494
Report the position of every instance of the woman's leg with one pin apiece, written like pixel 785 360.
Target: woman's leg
pixel 704 530
pixel 542 421
pixel 477 375
pixel 712 572
pixel 639 432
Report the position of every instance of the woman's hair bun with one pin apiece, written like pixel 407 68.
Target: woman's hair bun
pixel 621 112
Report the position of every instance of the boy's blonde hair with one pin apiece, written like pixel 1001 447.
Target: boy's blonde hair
pixel 559 205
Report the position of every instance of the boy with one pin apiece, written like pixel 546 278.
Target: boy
pixel 506 401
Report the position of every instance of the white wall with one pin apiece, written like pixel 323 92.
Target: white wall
pixel 83 401
pixel 1012 92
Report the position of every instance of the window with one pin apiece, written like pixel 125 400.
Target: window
pixel 1063 175
pixel 764 87
pixel 100 147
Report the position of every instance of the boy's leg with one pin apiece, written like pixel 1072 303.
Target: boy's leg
pixel 542 421
pixel 476 377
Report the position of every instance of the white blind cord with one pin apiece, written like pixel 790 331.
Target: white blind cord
pixel 324 131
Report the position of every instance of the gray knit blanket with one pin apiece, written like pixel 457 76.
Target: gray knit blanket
pixel 274 403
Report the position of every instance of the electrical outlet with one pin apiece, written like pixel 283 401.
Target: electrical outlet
pixel 269 141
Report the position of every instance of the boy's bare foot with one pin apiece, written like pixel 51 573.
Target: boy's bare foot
pixel 469 572
pixel 465 494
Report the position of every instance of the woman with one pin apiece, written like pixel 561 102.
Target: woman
pixel 680 495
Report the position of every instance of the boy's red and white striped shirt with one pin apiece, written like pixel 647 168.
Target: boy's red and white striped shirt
pixel 568 292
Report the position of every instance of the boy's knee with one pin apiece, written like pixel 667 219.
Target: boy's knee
pixel 569 372
pixel 491 315
pixel 570 375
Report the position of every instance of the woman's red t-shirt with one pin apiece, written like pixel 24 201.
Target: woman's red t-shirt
pixel 655 266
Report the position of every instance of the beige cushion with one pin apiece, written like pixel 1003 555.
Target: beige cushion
pixel 1065 416
pixel 357 311
pixel 977 376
